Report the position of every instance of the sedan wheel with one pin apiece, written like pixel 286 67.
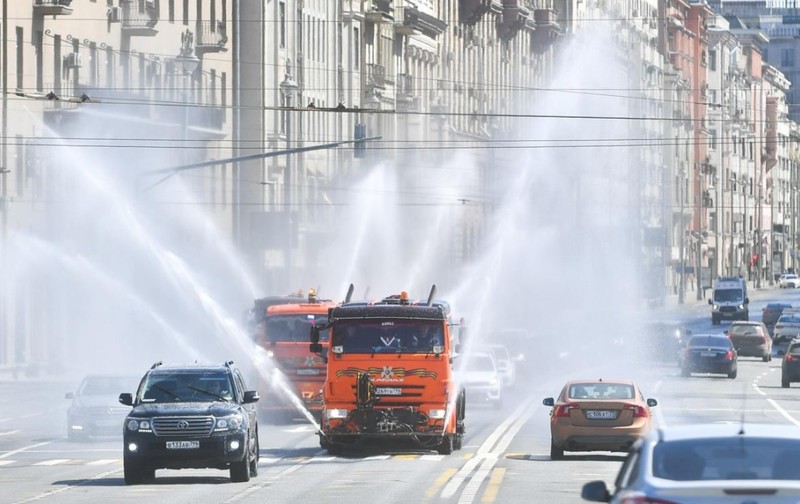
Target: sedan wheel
pixel 556 453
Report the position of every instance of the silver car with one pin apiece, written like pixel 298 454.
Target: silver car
pixel 743 463
pixel 787 327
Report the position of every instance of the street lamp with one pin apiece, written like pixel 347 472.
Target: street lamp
pixel 188 63
pixel 682 230
pixel 288 89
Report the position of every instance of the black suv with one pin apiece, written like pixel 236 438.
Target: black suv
pixel 191 416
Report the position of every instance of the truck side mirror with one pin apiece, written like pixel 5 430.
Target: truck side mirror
pixel 746 300
pixel 710 302
pixel 315 348
pixel 126 399
pixel 314 335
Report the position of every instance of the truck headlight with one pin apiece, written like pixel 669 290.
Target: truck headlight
pixel 493 381
pixel 336 413
pixel 716 307
pixel 232 422
pixel 436 414
pixel 741 307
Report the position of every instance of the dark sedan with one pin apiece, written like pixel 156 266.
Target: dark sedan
pixel 772 312
pixel 709 353
pixel 790 367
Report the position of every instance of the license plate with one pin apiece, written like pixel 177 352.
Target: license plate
pixel 707 354
pixel 308 372
pixel 388 391
pixel 182 445
pixel 601 414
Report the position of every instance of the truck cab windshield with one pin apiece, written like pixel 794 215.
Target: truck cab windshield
pixel 728 295
pixel 293 328
pixel 396 336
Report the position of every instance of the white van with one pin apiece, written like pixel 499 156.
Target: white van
pixel 729 300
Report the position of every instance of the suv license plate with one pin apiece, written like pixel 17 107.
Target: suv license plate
pixel 388 391
pixel 182 445
pixel 601 414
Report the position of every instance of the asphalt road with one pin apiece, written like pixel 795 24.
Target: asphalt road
pixel 505 457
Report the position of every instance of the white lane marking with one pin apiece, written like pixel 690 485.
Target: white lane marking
pixel 289 470
pixel 268 460
pixel 103 462
pixel 455 482
pixel 783 412
pixel 376 457
pixel 300 428
pixel 24 448
pixel 68 487
pixel 6 462
pixel 474 484
pixel 8 433
pixel 432 457
pixel 51 462
pixel 323 459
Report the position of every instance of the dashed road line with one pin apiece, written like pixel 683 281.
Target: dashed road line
pixel 24 448
pixel 440 482
pixel 52 462
pixel 6 462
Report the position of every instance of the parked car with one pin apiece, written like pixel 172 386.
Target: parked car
pixel 751 339
pixel 597 415
pixel 790 366
pixel 743 463
pixel 789 281
pixel 94 410
pixel 709 353
pixel 772 312
pixel 481 379
pixel 191 416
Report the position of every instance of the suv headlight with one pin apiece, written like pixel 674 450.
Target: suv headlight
pixel 231 422
pixel 138 424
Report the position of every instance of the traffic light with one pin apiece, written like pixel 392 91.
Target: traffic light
pixel 359 133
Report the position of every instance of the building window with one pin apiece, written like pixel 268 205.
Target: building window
pixel 787 57
pixel 356 48
pixel 20 53
pixel 712 60
pixel 186 12
pixel 282 24
pixel 171 11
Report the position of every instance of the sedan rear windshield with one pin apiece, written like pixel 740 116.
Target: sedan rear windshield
pixel 600 391
pixel 734 458
pixel 745 330
pixel 710 341
pixel 789 319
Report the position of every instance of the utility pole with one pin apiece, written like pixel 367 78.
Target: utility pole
pixel 681 230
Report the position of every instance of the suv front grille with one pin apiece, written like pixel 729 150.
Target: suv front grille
pixel 183 426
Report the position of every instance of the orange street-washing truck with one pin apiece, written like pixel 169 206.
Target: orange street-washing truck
pixel 390 374
pixel 285 339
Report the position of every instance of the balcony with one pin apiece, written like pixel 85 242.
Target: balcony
pixel 381 12
pixel 516 17
pixel 212 37
pixel 412 21
pixel 139 17
pixel 547 27
pixel 471 11
pixel 52 7
pixel 376 76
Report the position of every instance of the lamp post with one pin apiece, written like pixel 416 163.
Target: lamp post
pixel 288 89
pixel 188 63
pixel 682 231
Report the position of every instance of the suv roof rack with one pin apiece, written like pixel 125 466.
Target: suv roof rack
pixel 156 364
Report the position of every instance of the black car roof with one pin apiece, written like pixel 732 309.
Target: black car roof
pixel 189 368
